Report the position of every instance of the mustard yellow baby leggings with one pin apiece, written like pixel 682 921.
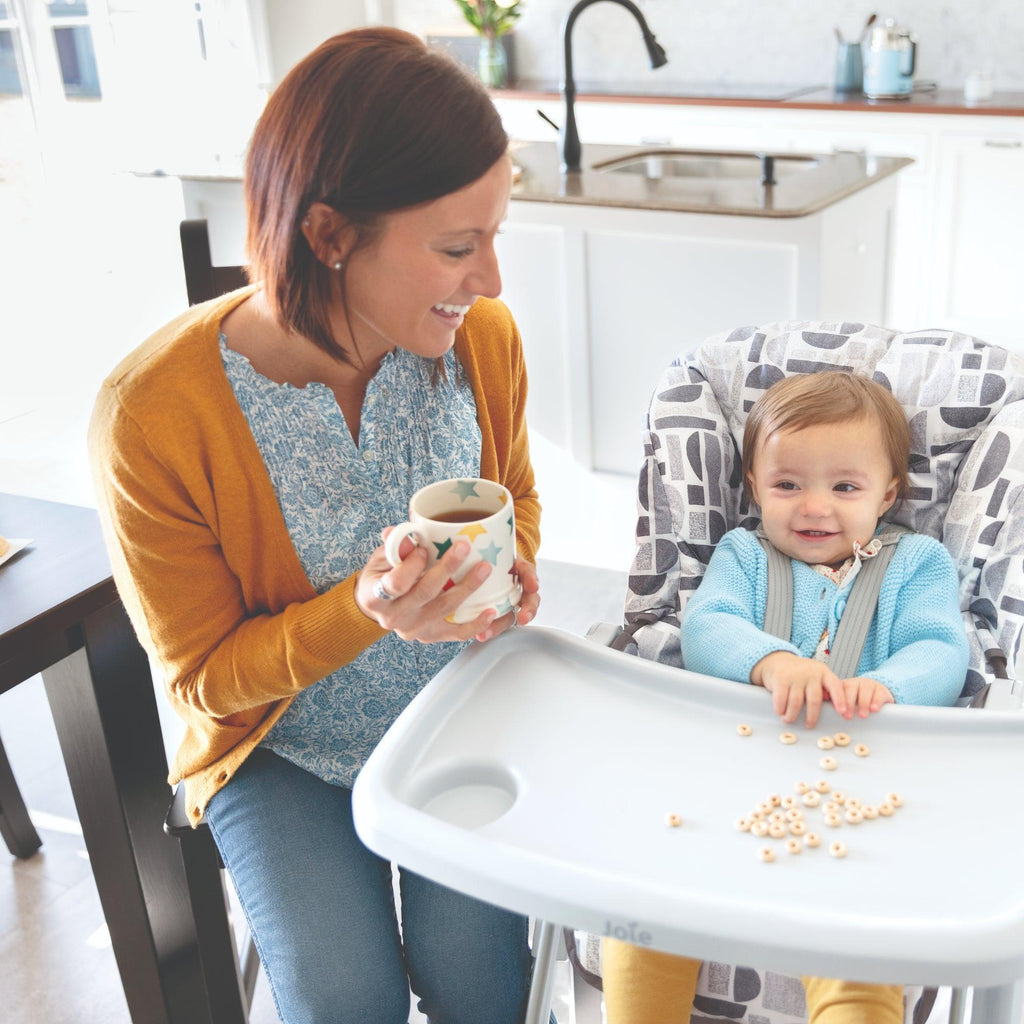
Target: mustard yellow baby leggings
pixel 643 986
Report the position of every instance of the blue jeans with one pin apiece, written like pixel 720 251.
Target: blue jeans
pixel 321 910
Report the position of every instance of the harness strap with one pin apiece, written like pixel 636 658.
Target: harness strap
pixel 778 609
pixel 852 633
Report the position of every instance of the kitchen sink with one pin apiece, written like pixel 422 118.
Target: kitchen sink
pixel 697 164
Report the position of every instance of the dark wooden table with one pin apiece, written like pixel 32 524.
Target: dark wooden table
pixel 60 615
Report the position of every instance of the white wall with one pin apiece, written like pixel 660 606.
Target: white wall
pixel 294 27
pixel 750 41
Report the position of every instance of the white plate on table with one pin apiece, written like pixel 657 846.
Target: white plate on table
pixel 16 544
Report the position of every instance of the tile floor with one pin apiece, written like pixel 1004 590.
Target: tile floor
pixel 89 264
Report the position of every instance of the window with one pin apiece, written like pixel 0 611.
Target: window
pixel 72 37
pixel 11 82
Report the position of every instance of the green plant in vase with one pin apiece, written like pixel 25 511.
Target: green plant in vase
pixel 492 19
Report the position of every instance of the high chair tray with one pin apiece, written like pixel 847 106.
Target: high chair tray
pixel 536 772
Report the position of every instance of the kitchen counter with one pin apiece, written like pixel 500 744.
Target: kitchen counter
pixel 831 178
pixel 811 97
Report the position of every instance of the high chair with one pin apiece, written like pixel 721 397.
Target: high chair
pixel 964 400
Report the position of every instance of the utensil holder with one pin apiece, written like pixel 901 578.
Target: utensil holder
pixel 849 67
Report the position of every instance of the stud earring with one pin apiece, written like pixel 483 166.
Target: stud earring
pixel 339 264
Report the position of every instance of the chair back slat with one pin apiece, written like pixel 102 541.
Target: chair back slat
pixel 204 281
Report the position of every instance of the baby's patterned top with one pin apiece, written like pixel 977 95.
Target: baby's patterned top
pixel 336 498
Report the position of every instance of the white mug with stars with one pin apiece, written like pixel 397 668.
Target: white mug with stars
pixel 480 512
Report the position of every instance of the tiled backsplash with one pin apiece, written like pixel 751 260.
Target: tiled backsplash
pixel 748 41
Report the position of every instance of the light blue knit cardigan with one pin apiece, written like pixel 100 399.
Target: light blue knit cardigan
pixel 916 645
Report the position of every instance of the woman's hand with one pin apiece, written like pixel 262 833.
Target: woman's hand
pixel 528 606
pixel 794 682
pixel 419 605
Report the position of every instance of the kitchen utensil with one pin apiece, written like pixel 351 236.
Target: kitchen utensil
pixel 889 61
pixel 544 117
pixel 867 25
pixel 849 67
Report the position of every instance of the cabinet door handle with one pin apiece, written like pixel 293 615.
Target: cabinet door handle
pixel 1004 143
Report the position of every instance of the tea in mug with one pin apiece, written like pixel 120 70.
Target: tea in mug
pixel 461 515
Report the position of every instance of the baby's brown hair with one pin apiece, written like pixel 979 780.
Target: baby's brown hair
pixel 832 396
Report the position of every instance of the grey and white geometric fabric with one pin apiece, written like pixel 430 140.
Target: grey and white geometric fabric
pixel 964 400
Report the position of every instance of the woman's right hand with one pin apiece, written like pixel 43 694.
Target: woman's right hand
pixel 419 604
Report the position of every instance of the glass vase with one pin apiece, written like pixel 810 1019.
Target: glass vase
pixel 492 62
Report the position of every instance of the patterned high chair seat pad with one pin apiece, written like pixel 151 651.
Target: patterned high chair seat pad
pixel 965 403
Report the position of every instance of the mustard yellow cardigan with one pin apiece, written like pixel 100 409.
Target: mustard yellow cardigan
pixel 200 551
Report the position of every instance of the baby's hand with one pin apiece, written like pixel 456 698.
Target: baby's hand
pixel 866 696
pixel 794 681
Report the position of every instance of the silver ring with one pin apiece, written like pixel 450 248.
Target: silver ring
pixel 515 617
pixel 380 592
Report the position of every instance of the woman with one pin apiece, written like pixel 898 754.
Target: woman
pixel 248 458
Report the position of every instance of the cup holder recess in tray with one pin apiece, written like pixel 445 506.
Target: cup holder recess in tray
pixel 469 794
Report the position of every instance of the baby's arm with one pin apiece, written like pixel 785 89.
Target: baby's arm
pixel 720 632
pixel 928 650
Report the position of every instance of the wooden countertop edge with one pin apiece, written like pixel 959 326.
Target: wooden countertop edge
pixel 992 108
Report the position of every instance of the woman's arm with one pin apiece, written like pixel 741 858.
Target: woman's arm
pixel 190 605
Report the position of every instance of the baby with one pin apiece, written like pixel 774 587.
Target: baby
pixel 825 456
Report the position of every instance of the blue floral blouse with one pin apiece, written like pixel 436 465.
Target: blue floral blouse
pixel 336 498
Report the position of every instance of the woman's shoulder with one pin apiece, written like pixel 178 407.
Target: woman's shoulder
pixel 489 314
pixel 175 361
pixel 489 326
pixel 488 344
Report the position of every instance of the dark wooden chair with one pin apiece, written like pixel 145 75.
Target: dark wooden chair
pixel 202 279
pixel 15 825
pixel 229 979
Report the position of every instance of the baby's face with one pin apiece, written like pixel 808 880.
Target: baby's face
pixel 823 488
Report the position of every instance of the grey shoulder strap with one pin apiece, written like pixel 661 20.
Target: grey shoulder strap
pixel 852 633
pixel 860 604
pixel 778 609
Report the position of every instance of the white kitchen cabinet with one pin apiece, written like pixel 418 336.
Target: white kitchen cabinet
pixel 976 273
pixel 606 297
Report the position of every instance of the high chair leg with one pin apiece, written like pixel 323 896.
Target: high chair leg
pixel 957 1005
pixel 545 950
pixel 1001 1004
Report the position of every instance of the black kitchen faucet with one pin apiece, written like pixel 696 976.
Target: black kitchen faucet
pixel 569 138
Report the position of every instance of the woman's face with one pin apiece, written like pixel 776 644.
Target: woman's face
pixel 412 286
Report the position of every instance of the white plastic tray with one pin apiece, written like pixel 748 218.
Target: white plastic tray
pixel 536 770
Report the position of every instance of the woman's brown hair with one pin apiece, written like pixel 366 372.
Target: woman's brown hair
pixel 832 396
pixel 370 122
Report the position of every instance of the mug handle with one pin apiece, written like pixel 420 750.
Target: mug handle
pixel 394 542
pixel 913 59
